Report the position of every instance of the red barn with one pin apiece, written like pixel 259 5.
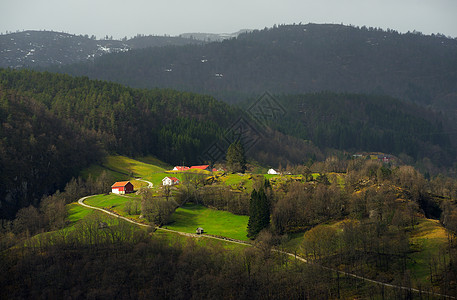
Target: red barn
pixel 122 187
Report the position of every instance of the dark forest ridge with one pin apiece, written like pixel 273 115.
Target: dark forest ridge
pixel 43 48
pixel 295 59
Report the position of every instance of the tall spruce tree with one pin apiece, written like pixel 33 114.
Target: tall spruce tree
pixel 236 159
pixel 259 212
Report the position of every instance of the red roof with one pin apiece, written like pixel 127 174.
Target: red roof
pixel 120 184
pixel 182 168
pixel 203 167
pixel 174 178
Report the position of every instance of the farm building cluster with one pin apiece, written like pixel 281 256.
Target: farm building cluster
pixel 201 167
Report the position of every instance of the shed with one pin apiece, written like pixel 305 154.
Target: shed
pixel 122 187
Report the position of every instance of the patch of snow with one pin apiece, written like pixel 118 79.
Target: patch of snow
pixel 204 60
pixel 104 49
pixel 168 70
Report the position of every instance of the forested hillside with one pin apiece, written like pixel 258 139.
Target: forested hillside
pixel 352 122
pixel 39 152
pixel 295 59
pixel 53 125
pixel 43 48
pixel 58 124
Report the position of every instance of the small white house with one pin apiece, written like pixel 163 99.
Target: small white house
pixel 272 171
pixel 170 181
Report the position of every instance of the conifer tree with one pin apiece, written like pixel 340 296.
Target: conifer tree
pixel 236 159
pixel 259 211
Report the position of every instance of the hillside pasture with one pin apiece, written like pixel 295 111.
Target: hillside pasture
pixel 114 203
pixel 427 240
pixel 215 222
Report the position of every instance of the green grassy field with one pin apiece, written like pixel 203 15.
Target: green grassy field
pixel 216 222
pixel 114 203
pixel 151 160
pixel 124 168
pixel 129 165
pixel 426 240
pixel 76 212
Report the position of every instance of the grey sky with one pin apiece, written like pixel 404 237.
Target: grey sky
pixel 121 18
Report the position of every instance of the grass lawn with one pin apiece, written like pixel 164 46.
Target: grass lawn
pixel 128 165
pixel 269 176
pixel 96 170
pixel 236 180
pixel 216 222
pixel 113 202
pixel 77 212
pixel 123 168
pixel 151 160
pixel 427 239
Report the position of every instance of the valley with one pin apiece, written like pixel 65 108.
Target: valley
pixel 301 161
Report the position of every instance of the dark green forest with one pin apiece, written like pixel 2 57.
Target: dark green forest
pixel 295 59
pixel 58 124
pixel 353 123
pixel 54 125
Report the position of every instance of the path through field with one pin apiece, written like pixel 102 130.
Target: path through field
pixel 81 202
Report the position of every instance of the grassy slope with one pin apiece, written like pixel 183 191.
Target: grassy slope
pixel 121 168
pixel 77 212
pixel 215 222
pixel 426 239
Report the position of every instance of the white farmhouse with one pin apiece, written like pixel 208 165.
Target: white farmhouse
pixel 272 171
pixel 170 181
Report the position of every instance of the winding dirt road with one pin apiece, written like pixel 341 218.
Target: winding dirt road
pixel 150 185
pixel 81 202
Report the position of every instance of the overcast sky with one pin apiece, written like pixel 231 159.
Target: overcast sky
pixel 121 18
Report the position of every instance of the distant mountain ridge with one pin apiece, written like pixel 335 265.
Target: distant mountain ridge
pixel 296 59
pixel 44 48
pixel 213 37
